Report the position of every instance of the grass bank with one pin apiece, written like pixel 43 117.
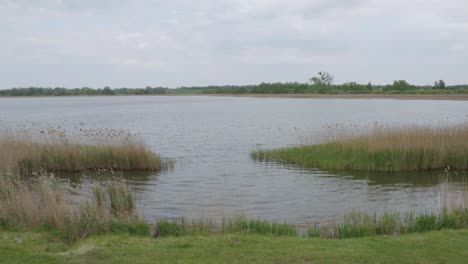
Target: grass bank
pixel 31 152
pixel 448 246
pixel 386 149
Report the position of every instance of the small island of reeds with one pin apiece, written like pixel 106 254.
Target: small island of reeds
pixel 382 148
pixel 27 152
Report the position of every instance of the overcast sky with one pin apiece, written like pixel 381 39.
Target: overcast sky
pixel 76 43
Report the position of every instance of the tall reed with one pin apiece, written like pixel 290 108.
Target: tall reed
pixel 31 152
pixel 40 203
pixel 383 148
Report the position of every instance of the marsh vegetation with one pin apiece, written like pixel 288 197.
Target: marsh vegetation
pixel 41 206
pixel 26 152
pixel 383 149
pixel 40 203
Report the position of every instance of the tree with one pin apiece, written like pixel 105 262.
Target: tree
pixel 316 81
pixel 324 78
pixel 439 84
pixel 401 85
pixel 327 78
pixel 107 91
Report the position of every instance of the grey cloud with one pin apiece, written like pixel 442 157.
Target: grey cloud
pixel 174 43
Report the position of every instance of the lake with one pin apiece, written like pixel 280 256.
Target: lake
pixel 210 139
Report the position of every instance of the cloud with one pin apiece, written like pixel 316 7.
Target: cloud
pixel 180 42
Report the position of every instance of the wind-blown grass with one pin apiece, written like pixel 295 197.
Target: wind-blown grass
pixel 26 153
pixel 386 149
pixel 41 204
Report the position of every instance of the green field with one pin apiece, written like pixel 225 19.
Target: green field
pixel 433 247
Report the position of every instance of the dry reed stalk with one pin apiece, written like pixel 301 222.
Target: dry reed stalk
pixel 28 152
pixel 41 203
pixel 382 148
pixel 31 204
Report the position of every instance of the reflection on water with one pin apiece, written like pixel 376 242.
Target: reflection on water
pixel 210 139
pixel 413 179
pixel 377 188
pixel 134 177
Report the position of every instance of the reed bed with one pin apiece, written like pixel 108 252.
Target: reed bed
pixel 383 148
pixel 39 203
pixel 453 214
pixel 28 152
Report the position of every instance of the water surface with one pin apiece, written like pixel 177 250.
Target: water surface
pixel 210 138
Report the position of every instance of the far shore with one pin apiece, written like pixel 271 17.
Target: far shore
pixel 456 97
pixel 459 97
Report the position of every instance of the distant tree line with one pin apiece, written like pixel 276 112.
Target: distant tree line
pixel 317 86
pixel 325 87
pixel 60 91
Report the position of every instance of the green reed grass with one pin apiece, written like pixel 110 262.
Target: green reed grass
pixel 355 224
pixel 183 227
pixel 40 203
pixel 242 224
pixel 386 149
pixel 121 200
pixel 363 224
pixel 29 152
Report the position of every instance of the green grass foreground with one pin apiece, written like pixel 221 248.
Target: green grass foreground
pixel 446 246
pixel 384 149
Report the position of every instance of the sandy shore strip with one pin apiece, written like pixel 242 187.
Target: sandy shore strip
pixel 459 97
pixel 456 97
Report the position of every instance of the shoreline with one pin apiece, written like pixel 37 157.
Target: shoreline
pixel 453 97
pixel 456 97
